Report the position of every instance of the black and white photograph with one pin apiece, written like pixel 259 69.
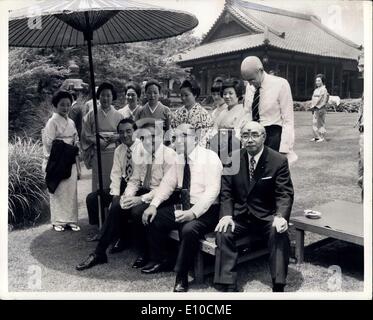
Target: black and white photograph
pixel 184 149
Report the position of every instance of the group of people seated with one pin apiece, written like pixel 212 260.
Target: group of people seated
pixel 187 170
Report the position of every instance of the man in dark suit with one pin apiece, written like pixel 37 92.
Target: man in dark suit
pixel 259 199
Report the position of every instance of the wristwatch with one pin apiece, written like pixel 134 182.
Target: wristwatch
pixel 144 199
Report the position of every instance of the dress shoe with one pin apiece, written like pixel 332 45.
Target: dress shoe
pixel 278 287
pixel 140 262
pixel 181 284
pixel 118 246
pixel 156 267
pixel 92 260
pixel 226 287
pixel 231 288
pixel 93 237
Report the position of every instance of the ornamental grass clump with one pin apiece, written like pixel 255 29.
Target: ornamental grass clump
pixel 27 195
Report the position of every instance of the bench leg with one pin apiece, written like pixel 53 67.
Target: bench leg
pixel 198 268
pixel 299 246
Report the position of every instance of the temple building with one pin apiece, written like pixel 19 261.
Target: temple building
pixel 291 45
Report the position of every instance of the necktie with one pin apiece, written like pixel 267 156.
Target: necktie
pixel 255 106
pixel 148 174
pixel 185 191
pixel 129 169
pixel 252 168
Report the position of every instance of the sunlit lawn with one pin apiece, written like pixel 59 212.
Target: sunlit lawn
pixel 324 172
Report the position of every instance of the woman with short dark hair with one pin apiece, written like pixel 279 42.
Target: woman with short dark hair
pixel 319 101
pixel 108 118
pixel 133 94
pixel 192 112
pixel 232 117
pixel 63 201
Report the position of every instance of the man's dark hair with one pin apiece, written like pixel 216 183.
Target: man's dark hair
pixel 127 120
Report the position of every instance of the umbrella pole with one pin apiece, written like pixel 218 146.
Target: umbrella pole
pixel 89 36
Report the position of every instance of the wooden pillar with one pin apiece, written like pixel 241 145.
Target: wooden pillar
pixel 341 81
pixel 209 82
pixel 287 72
pixel 333 75
pixel 296 80
pixel 305 81
pixel 348 93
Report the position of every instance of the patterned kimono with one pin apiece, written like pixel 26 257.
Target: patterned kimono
pixel 107 122
pixel 198 117
pixel 64 201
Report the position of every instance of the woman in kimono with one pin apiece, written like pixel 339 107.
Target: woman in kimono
pixel 108 119
pixel 192 112
pixel 228 123
pixel 64 201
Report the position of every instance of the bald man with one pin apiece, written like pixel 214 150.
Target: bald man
pixel 258 199
pixel 268 100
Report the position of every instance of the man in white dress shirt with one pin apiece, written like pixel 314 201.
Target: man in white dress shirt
pixel 114 228
pixel 198 174
pixel 149 170
pixel 268 101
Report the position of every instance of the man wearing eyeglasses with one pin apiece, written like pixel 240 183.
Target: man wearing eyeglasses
pixel 258 199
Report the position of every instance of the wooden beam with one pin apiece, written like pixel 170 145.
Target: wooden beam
pixel 305 82
pixel 287 72
pixel 341 81
pixel 333 75
pixel 296 80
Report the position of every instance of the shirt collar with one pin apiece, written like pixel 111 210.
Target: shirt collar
pixel 257 156
pixel 58 117
pixel 134 144
pixel 106 113
pixel 193 155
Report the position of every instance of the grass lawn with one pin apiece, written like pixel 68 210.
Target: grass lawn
pixel 323 172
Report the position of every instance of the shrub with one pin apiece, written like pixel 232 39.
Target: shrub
pixel 27 193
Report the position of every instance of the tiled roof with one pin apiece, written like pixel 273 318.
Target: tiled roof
pixel 284 29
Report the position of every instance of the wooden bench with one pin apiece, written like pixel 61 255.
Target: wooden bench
pixel 249 247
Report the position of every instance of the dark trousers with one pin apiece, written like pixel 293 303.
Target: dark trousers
pixel 273 138
pixel 92 205
pixel 190 234
pixel 92 202
pixel 227 253
pixel 116 226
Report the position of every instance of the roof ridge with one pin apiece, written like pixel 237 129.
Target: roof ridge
pixel 214 24
pixel 261 25
pixel 336 35
pixel 261 7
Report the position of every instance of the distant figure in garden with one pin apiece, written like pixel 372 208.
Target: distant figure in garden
pixel 319 101
pixel 133 94
pixel 269 101
pixel 64 199
pixel 108 119
pixel 153 108
pixel 192 112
